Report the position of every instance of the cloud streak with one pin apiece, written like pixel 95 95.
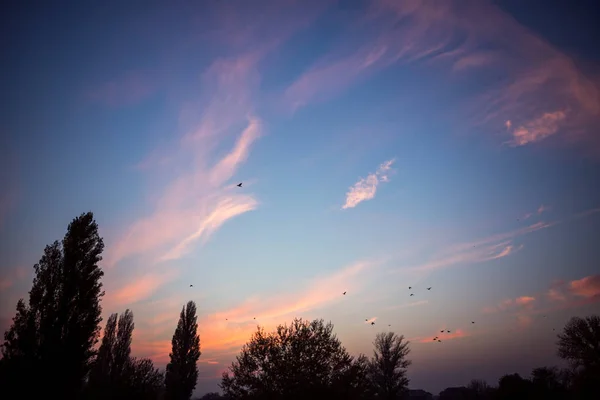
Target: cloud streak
pixel 195 204
pixel 545 93
pixel 366 188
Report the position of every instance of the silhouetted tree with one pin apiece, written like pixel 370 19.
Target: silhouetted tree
pixel 457 393
pixel 99 385
pixel 389 364
pixel 122 345
pixel 213 396
pixel 182 371
pixel 108 374
pixel 480 388
pixel 52 339
pixel 299 361
pixel 579 344
pixel 546 384
pixel 143 380
pixel 115 374
pixel 514 387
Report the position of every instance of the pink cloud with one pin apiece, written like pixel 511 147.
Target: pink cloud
pixel 538 129
pixel 467 256
pixel 588 287
pixel 546 94
pixel 140 288
pixel 525 301
pixel 220 334
pixel 126 90
pixel 555 295
pixel 521 303
pixel 197 202
pixel 366 188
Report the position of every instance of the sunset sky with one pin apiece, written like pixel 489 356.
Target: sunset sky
pixel 381 145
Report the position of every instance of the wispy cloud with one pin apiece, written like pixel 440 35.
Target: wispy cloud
pixel 545 94
pixel 140 288
pixel 560 295
pixel 193 205
pixel 519 303
pixel 541 209
pixel 366 188
pixel 538 128
pixel 223 332
pixel 231 328
pixel 473 255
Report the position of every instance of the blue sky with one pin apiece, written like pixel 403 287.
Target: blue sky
pixel 380 144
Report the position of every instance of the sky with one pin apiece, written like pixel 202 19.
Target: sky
pixel 381 145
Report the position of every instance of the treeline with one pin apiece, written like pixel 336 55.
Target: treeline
pixel 51 350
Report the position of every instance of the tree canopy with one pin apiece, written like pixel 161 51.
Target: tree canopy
pixel 52 338
pixel 295 361
pixel 389 366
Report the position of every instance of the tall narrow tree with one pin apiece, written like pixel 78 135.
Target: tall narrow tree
pixel 122 348
pixel 182 370
pixel 99 385
pixel 52 339
pixel 388 367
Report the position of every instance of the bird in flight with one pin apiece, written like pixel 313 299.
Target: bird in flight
pixel 442 331
pixel 410 287
pixel 373 323
pixel 254 317
pixel 226 319
pixel 389 325
pixel 191 285
pixel 448 331
pixel 366 320
pixel 412 294
pixel 472 322
pixel 439 341
pixel 239 184
pixel 344 293
pixel 429 288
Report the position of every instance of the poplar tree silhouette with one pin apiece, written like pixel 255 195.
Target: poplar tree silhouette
pixel 108 377
pixel 182 370
pixel 51 341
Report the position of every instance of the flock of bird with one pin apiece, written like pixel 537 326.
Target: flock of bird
pixel 373 322
pixel 412 294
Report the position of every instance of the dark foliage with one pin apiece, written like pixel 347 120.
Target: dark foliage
pixel 389 366
pixel 299 361
pixel 51 341
pixel 115 374
pixel 182 370
pixel 580 342
pixel 213 396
